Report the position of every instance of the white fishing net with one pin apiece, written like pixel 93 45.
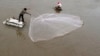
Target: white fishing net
pixel 49 26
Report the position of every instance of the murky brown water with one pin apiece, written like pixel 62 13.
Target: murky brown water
pixel 82 42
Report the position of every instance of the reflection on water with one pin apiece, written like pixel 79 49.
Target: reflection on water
pixel 20 33
pixel 58 9
pixel 17 30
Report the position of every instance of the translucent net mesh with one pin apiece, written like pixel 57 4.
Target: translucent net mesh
pixel 49 26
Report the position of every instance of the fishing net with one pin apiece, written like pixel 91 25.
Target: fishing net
pixel 49 26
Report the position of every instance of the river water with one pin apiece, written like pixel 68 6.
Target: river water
pixel 81 42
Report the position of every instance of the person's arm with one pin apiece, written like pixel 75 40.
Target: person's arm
pixel 28 13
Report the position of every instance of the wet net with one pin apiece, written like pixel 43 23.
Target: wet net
pixel 49 26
